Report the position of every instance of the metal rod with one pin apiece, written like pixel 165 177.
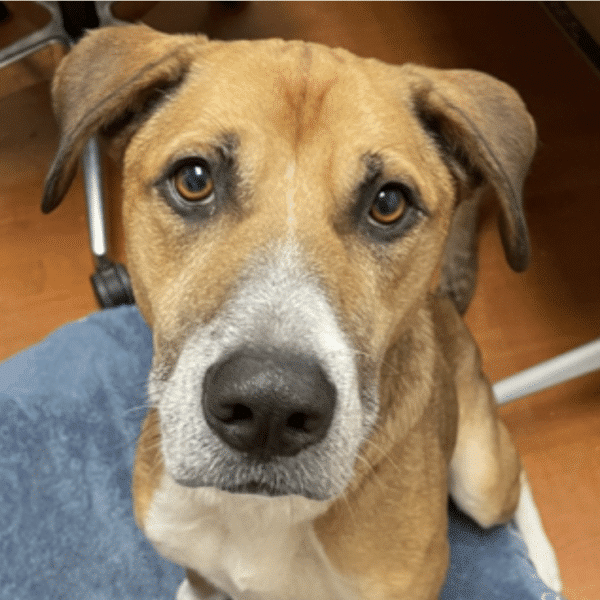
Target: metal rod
pixel 92 175
pixel 559 369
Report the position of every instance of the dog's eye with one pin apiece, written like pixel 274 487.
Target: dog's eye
pixel 391 202
pixel 194 182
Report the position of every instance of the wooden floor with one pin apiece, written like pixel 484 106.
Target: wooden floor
pixel 518 320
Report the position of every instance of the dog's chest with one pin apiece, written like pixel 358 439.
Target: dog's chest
pixel 251 548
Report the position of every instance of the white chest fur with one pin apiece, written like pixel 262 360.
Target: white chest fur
pixel 250 547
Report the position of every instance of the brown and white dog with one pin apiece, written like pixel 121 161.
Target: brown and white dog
pixel 300 227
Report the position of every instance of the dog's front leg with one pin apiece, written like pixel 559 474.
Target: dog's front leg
pixel 195 587
pixel 486 477
pixel 485 468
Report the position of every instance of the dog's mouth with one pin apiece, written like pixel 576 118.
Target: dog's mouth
pixel 256 488
pixel 273 478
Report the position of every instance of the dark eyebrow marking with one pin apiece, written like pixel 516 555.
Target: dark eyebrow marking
pixel 228 145
pixel 373 169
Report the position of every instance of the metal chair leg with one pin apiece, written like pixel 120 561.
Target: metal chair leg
pixel 110 282
pixel 53 32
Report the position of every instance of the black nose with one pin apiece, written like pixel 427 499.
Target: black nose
pixel 268 404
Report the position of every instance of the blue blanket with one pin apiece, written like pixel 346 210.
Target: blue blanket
pixel 70 413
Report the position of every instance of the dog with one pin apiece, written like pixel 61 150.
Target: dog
pixel 300 228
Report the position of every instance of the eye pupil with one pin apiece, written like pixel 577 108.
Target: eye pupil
pixel 389 205
pixel 195 178
pixel 194 182
pixel 387 202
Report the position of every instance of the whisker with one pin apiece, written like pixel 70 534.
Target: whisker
pixel 385 455
pixel 351 511
pixel 137 408
pixel 371 357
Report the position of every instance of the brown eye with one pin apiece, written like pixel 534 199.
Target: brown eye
pixel 194 182
pixel 389 205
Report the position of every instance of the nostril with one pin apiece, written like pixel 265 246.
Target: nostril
pixel 297 421
pixel 240 412
pixel 232 412
pixel 304 421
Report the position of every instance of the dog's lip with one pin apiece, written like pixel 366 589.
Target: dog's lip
pixel 255 488
pixel 249 485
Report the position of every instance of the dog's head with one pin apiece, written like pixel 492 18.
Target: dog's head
pixel 289 210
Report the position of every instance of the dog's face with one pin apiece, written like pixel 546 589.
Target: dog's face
pixel 287 208
pixel 322 196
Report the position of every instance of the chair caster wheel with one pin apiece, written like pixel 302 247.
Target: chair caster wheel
pixel 112 285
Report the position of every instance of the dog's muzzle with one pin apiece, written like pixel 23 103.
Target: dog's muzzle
pixel 268 403
pixel 265 397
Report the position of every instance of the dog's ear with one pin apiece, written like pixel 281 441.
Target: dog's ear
pixel 488 139
pixel 107 82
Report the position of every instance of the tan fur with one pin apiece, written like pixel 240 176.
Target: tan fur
pixel 148 466
pixel 304 120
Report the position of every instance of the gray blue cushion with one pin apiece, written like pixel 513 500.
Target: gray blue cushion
pixel 70 413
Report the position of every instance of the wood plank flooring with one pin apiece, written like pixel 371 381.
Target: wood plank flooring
pixel 518 320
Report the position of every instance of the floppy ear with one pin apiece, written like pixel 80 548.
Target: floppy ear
pixel 109 81
pixel 487 138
